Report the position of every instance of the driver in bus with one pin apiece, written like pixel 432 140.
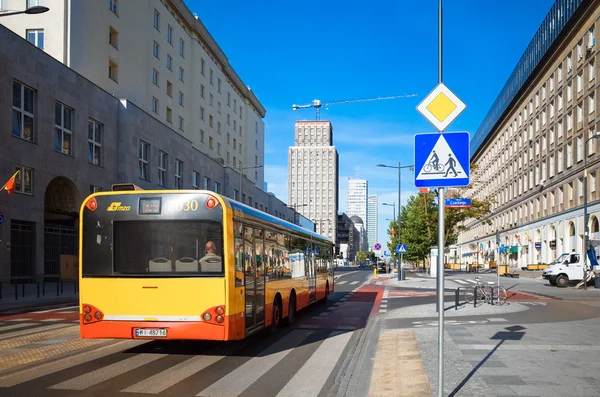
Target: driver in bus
pixel 211 262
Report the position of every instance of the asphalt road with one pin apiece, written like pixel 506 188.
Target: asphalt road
pixel 42 355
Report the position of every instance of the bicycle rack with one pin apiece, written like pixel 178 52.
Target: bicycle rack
pixel 457 296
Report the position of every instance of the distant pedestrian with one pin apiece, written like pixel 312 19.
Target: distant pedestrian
pixel 450 163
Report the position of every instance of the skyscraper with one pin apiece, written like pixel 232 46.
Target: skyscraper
pixel 372 212
pixel 357 204
pixel 313 175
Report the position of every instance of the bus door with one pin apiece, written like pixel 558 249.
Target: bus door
pixel 254 293
pixel 312 275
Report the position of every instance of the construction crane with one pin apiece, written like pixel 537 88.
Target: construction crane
pixel 317 104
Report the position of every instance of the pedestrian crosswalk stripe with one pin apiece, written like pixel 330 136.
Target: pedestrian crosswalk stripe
pixel 170 377
pixel 309 379
pixel 354 283
pixel 341 282
pixel 242 377
pixel 463 282
pixel 15 326
pixel 55 310
pixel 62 364
pixel 19 319
pixel 31 330
pixel 93 378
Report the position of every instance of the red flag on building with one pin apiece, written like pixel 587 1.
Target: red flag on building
pixel 10 185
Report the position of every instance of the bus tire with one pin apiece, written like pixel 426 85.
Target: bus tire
pixel 324 300
pixel 291 317
pixel 276 316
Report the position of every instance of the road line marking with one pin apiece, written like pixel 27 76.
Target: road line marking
pixel 238 380
pixel 463 282
pixel 55 310
pixel 20 319
pixel 353 282
pixel 309 380
pixel 171 376
pixel 53 319
pixel 98 376
pixel 16 326
pixel 65 363
pixel 497 320
pixel 341 282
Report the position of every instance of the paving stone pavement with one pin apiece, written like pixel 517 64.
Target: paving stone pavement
pixel 545 360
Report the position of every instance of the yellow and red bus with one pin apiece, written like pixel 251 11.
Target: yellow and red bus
pixel 162 264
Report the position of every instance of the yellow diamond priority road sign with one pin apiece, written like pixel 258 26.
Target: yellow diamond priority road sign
pixel 441 107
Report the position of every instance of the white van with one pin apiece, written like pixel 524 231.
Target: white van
pixel 567 267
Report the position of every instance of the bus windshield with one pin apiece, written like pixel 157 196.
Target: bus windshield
pixel 154 248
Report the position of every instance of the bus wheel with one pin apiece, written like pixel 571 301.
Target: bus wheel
pixel 291 311
pixel 276 319
pixel 324 300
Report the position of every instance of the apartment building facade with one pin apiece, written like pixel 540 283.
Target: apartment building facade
pixel 533 146
pixel 69 138
pixel 161 57
pixel 358 190
pixel 313 165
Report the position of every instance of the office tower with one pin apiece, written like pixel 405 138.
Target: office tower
pixel 313 175
pixel 372 213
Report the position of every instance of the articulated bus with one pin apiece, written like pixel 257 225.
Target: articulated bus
pixel 161 264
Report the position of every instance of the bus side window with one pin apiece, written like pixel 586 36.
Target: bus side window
pixel 239 254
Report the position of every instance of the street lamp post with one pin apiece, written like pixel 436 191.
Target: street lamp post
pixel 241 169
pixel 586 230
pixel 30 11
pixel 399 167
pixel 394 208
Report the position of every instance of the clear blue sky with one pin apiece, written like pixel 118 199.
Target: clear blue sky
pixel 294 52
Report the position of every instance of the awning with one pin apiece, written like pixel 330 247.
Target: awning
pixel 514 249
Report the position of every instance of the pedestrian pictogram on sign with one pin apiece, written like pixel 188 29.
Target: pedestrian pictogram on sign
pixel 442 160
pixel 441 107
pixel 401 249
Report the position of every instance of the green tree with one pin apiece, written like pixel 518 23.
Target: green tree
pixel 362 256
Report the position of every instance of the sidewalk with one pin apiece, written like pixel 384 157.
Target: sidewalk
pixel 499 358
pixel 19 297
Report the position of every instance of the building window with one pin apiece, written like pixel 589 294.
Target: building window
pixel 169 115
pixel 591 71
pixel 22 112
pixel 178 173
pixel 113 71
pixel 63 128
pixel 144 148
pixel 570 120
pixel 180 98
pixel 218 127
pixel 155 48
pixel 169 89
pixel 591 104
pixel 95 189
pixel 170 34
pixel 202 90
pixel 156 20
pixel 229 99
pixel 195 180
pixel 113 37
pixel 210 120
pixel 155 105
pixel 217 187
pixel 219 86
pixel 234 142
pixel 24 180
pixel 211 98
pixel 579 82
pixel 206 183
pixel 182 48
pixel 95 142
pixel 210 142
pixel 162 168
pixel 181 74
pixel 169 62
pixel 155 77
pixel 113 6
pixel 181 123
pixel 211 78
pixel 201 113
pixel 202 66
pixel 36 37
pixel 579 148
pixel 218 148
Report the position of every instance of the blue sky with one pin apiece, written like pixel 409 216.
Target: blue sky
pixel 294 52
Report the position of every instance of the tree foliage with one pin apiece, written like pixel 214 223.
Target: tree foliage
pixel 362 256
pixel 419 221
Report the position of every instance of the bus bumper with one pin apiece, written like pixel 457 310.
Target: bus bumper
pixel 162 330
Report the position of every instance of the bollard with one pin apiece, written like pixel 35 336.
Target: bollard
pixel 16 291
pixel 456 299
pixel 375 272
pixel 23 287
pixel 38 288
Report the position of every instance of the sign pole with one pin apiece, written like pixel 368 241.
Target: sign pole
pixel 441 223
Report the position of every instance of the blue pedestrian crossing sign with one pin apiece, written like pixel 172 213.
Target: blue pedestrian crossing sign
pixel 442 160
pixel 401 249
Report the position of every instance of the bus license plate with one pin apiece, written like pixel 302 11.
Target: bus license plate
pixel 151 332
